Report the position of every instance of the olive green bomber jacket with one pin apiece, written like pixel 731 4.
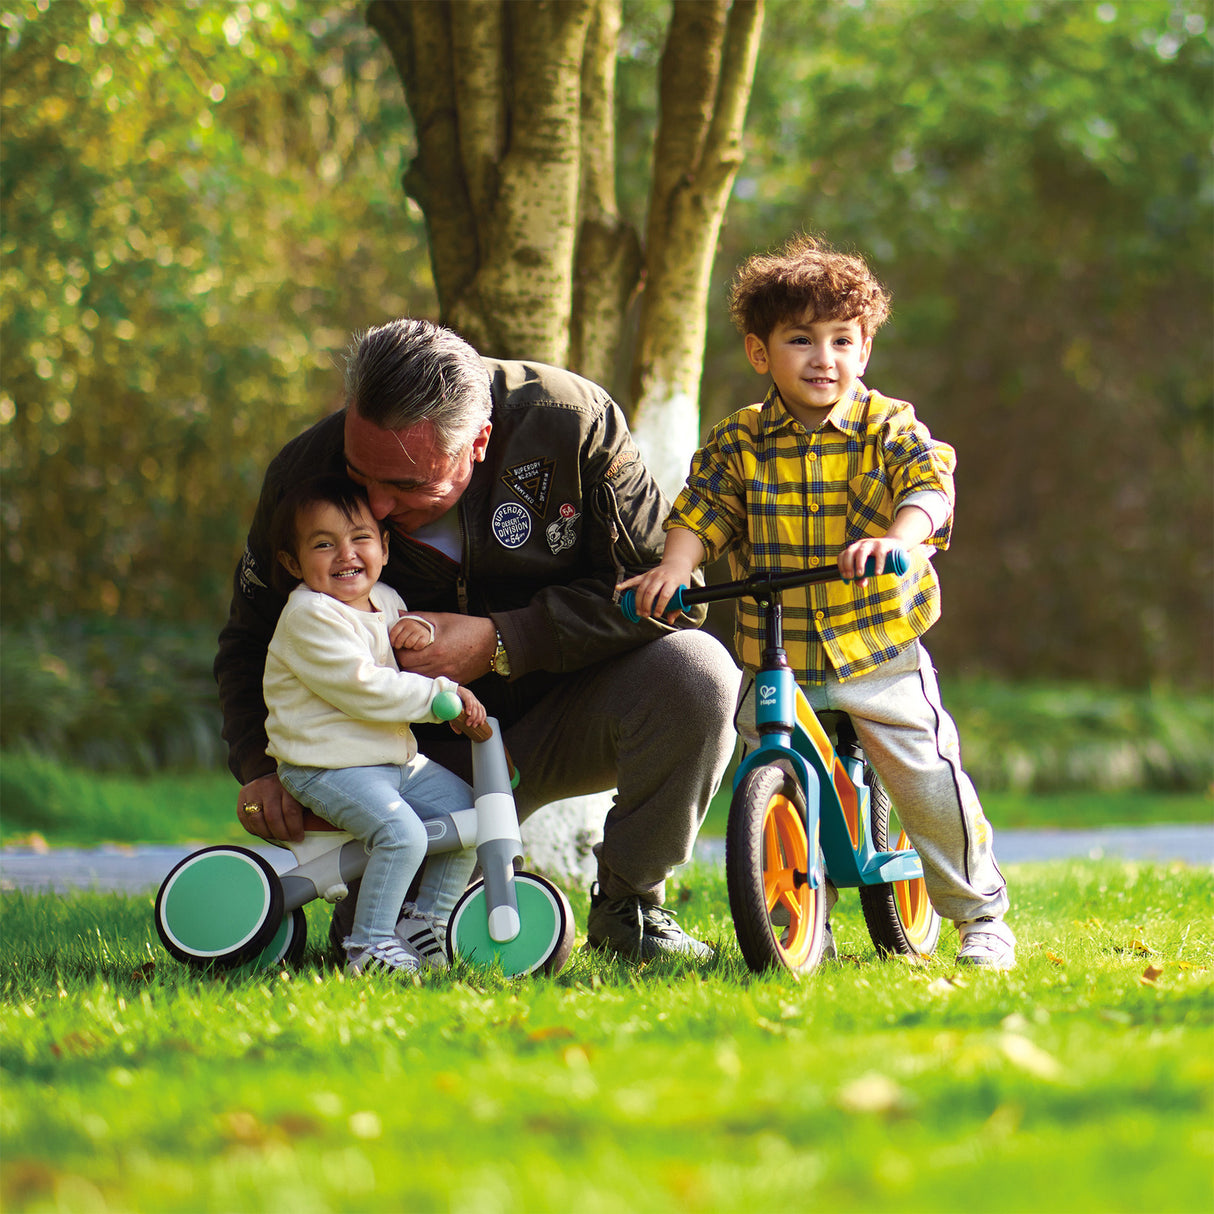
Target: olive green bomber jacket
pixel 560 510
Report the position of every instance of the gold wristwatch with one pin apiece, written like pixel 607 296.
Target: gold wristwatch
pixel 500 663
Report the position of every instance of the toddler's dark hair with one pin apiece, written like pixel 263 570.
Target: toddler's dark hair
pixel 805 277
pixel 339 491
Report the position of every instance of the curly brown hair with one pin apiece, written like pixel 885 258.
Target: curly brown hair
pixel 805 277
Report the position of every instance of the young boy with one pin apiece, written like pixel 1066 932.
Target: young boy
pixel 825 469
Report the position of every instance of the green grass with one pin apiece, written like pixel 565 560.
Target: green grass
pixel 69 806
pixel 1081 1081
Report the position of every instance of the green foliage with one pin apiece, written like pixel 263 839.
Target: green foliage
pixel 66 805
pixel 1033 180
pixel 1050 738
pixel 110 695
pixel 200 203
pixel 1079 1082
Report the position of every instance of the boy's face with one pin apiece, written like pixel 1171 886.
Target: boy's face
pixel 337 556
pixel 814 363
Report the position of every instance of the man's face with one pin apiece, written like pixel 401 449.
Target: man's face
pixel 409 480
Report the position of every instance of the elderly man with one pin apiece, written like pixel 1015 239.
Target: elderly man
pixel 517 501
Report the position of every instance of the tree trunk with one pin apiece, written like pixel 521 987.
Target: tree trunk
pixel 514 105
pixel 707 71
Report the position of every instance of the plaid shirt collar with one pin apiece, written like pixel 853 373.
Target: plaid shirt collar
pixel 847 416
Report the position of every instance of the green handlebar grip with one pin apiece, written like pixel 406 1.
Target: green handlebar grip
pixel 447 706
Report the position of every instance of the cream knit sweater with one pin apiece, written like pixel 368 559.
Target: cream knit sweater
pixel 333 690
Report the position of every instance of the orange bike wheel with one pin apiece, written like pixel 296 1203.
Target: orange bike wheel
pixel 900 917
pixel 778 915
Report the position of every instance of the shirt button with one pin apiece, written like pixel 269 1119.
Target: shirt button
pixel 812 455
pixel 813 507
pixel 819 616
pixel 814 561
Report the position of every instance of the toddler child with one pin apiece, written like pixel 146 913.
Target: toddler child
pixel 826 469
pixel 338 724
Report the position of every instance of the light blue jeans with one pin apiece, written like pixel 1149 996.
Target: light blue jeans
pixel 370 803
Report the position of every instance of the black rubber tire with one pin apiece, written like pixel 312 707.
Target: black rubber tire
pixel 767 861
pixel 900 917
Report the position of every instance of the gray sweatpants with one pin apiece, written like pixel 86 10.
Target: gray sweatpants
pixel 656 725
pixel 912 744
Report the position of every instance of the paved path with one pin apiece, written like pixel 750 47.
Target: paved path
pixel 137 870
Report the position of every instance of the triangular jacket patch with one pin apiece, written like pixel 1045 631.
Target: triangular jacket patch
pixel 530 483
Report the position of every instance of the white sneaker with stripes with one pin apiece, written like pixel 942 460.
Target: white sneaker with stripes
pixel 423 935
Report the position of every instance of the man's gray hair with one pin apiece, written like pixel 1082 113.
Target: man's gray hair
pixel 410 371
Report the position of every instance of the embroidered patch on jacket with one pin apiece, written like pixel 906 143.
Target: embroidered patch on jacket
pixel 511 525
pixel 621 461
pixel 563 533
pixel 248 574
pixel 530 483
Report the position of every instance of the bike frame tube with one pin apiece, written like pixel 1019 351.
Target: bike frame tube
pixel 836 802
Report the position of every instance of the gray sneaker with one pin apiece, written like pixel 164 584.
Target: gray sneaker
pixel 988 943
pixel 638 930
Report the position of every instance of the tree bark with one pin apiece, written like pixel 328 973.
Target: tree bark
pixel 514 105
pixel 706 75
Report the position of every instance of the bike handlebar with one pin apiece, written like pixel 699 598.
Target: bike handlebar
pixel 447 706
pixel 763 585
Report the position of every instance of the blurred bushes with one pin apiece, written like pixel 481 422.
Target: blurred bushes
pixel 1064 737
pixel 107 696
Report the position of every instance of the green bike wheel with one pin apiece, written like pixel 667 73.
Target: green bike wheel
pixel 545 937
pixel 899 915
pixel 780 919
pixel 219 907
pixel 288 943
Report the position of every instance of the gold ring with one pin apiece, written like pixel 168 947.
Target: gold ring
pixel 254 807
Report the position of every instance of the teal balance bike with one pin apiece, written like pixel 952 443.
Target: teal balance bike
pixel 807 809
pixel 227 907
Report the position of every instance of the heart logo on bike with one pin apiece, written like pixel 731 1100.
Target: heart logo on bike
pixel 767 692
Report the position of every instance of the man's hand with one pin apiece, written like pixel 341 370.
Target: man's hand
pixel 462 648
pixel 280 816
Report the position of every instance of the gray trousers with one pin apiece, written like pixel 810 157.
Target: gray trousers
pixel 912 744
pixel 656 725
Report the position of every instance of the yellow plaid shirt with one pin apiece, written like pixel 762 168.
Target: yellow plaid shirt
pixel 777 497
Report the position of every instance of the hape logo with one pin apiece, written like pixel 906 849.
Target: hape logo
pixel 767 694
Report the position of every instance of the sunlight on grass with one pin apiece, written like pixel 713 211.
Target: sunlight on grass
pixel 1072 1084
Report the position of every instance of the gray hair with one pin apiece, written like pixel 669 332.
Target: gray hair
pixel 410 371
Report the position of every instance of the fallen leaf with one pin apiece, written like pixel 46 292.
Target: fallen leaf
pixel 943 985
pixel 1055 959
pixel 872 1093
pixel 1023 1053
pixel 1151 973
pixel 550 1033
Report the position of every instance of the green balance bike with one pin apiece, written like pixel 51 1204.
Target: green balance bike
pixel 226 907
pixel 807 810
